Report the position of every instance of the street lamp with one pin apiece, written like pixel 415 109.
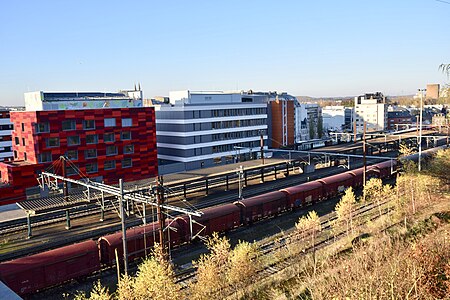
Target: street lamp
pixel 240 172
pixel 420 128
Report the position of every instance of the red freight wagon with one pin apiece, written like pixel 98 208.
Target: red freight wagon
pixel 261 206
pixel 385 168
pixel 358 174
pixel 29 274
pixel 303 194
pixel 137 245
pixel 220 218
pixel 336 184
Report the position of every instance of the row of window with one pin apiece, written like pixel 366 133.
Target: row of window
pixel 68 125
pixel 227 148
pixel 237 135
pixel 6 127
pixel 239 112
pixel 238 123
pixel 88 154
pixel 17 141
pixel 108 165
pixel 74 140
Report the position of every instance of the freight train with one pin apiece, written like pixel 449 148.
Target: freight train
pixel 30 274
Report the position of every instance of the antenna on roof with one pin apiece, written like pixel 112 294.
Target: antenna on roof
pixel 139 86
pixel 135 86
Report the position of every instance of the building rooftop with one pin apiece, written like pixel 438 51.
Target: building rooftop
pixel 67 100
pixel 401 114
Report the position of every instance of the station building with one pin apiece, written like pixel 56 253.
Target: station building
pixel 106 136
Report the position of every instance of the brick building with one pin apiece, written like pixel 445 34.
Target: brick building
pixel 104 144
pixel 432 91
pixel 282 121
pixel 399 120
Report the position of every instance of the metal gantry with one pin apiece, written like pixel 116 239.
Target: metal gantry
pixel 123 195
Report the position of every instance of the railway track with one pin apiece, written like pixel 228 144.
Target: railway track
pixel 186 274
pixel 89 227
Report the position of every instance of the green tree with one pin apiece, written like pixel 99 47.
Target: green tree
pixel 445 68
pixel 320 127
pixel 440 166
pixel 312 133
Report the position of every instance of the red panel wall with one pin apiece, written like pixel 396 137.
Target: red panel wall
pixel 277 123
pixel 22 174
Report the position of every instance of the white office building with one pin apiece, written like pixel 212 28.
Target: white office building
pixel 307 121
pixel 201 129
pixel 372 109
pixel 337 118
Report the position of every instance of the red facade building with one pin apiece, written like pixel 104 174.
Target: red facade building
pixel 399 120
pixel 282 123
pixel 103 144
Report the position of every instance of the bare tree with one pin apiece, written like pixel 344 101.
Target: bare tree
pixel 125 288
pixel 156 279
pixel 243 264
pixel 374 191
pixel 344 209
pixel 211 278
pixel 309 226
pixel 99 292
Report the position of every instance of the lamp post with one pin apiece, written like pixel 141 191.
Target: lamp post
pixel 420 128
pixel 240 172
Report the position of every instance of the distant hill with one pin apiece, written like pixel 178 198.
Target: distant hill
pixel 320 99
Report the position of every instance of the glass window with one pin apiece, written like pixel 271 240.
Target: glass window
pixel 90 153
pixel 68 125
pixel 45 157
pixel 91 168
pixel 91 139
pixel 52 142
pixel 126 135
pixel 128 149
pixel 72 154
pixel 110 164
pixel 127 122
pixel 23 126
pixel 23 141
pixel 17 140
pixel 25 156
pixel 110 122
pixel 73 140
pixel 42 127
pixel 111 150
pixel 71 170
pixel 109 137
pixel 88 124
pixel 127 163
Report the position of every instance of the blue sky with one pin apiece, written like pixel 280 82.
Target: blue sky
pixel 314 48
